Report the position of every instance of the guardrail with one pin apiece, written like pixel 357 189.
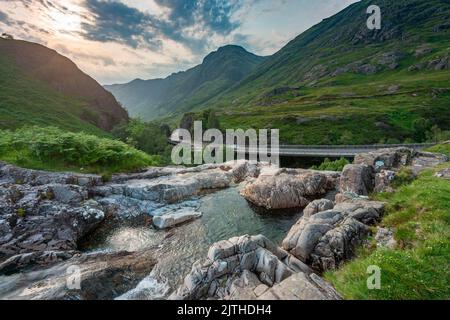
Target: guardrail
pixel 341 147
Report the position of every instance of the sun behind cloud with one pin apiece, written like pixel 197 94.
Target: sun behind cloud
pixel 63 22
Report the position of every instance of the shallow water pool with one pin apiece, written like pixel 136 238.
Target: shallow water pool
pixel 225 215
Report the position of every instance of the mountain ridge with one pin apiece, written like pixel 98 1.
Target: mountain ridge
pixel 60 77
pixel 218 71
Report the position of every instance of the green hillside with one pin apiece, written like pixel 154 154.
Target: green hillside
pixel 40 86
pixel 340 82
pixel 183 91
pixel 25 101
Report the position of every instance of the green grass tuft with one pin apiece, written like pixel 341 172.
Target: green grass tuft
pixel 441 148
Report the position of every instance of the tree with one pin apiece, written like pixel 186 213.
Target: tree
pixel 420 127
pixel 346 137
pixel 213 121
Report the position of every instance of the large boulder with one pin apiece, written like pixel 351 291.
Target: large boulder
pixel 386 159
pixel 299 286
pixel 357 179
pixel 57 227
pixel 251 257
pixel 288 188
pixel 327 239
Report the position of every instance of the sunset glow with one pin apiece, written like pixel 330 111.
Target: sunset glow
pixel 120 40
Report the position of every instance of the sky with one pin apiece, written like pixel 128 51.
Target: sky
pixel 116 41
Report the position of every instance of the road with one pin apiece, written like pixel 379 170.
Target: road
pixel 330 151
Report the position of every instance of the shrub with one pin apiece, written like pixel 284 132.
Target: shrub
pixel 329 165
pixel 55 149
pixel 21 213
pixel 148 137
pixel 403 177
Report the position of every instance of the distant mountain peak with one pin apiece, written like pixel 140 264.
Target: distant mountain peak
pixel 182 91
pixel 228 50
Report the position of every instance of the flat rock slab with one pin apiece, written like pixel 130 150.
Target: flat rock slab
pixel 102 276
pixel 172 219
pixel 301 286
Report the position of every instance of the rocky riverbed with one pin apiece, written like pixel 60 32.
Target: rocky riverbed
pixel 137 236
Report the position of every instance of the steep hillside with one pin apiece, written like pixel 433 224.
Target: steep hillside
pixel 183 91
pixel 40 87
pixel 340 82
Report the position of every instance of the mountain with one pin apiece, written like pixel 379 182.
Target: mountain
pixel 340 82
pixel 183 91
pixel 41 87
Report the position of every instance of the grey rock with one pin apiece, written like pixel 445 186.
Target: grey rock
pixel 328 238
pixel 426 160
pixel 301 286
pixel 103 276
pixel 385 238
pixel 242 264
pixel 172 219
pixel 383 181
pixel 444 174
pixel 318 206
pixel 386 159
pixel 288 189
pixel 16 175
pixel 357 178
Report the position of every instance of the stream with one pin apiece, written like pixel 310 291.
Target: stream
pixel 225 215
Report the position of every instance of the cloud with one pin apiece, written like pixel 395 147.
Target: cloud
pixel 117 22
pixel 4 17
pixel 188 22
pixel 214 15
pixel 118 40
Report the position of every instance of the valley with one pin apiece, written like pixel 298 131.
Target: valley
pixel 95 206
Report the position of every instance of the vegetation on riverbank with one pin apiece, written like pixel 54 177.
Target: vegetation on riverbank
pixel 148 137
pixel 441 148
pixel 54 149
pixel 328 165
pixel 418 268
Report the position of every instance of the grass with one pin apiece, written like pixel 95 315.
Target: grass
pixel 26 101
pixel 441 148
pixel 419 268
pixel 326 115
pixel 54 149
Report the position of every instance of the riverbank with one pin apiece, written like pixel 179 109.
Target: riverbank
pixel 168 218
pixel 417 265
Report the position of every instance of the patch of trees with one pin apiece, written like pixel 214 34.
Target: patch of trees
pixel 152 138
pixel 207 117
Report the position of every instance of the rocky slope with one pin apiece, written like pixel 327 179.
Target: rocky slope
pixel 45 216
pixel 181 91
pixel 45 74
pixel 326 236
